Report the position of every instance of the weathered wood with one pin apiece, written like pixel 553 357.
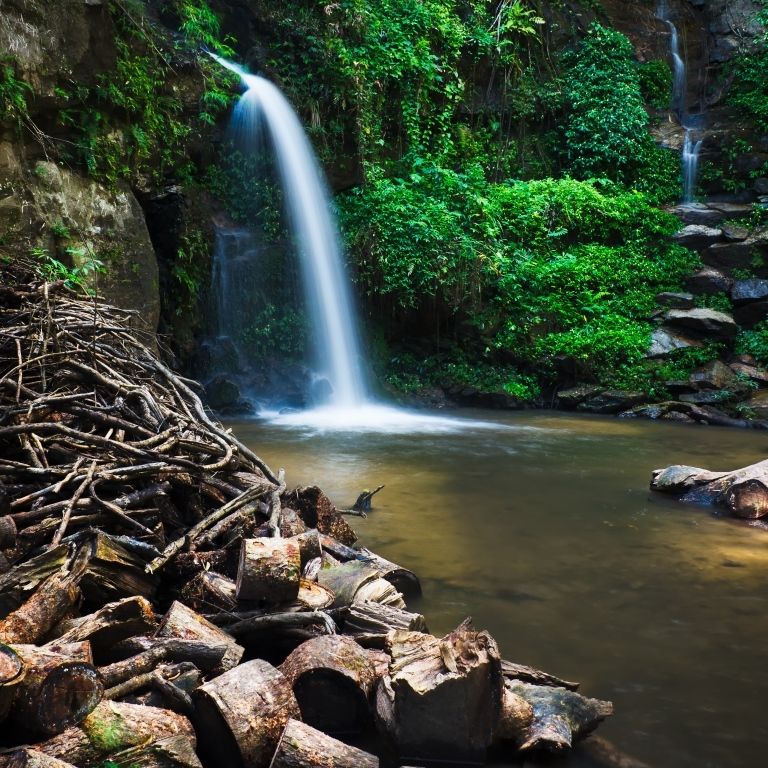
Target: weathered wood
pixel 56 692
pixel 603 754
pixel 111 624
pixel 27 757
pixel 442 698
pixel 317 511
pixel 184 623
pixel 356 581
pixel 743 493
pixel 402 579
pixel 512 671
pixel 240 715
pixel 202 654
pixel 369 623
pixel 308 543
pixel 11 674
pixel 113 727
pixel 515 717
pixel 42 611
pixel 560 716
pixel 333 679
pixel 209 591
pixel 8 532
pixel 269 570
pixel 302 746
pixel 170 752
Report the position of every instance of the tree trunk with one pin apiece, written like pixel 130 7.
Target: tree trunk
pixel 41 612
pixel 333 679
pixel 301 746
pixel 209 591
pixel 56 692
pixel 184 623
pixel 443 697
pixel 559 716
pixel 241 714
pixel 743 493
pixel 113 727
pixel 369 623
pixel 269 570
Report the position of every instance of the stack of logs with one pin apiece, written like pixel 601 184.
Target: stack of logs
pixel 166 602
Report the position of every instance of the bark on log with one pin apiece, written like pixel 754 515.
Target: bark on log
pixel 308 543
pixel 56 692
pixel 184 623
pixel 402 579
pixel 317 511
pixel 8 532
pixel 333 679
pixel 11 674
pixel 357 581
pixel 41 612
pixel 111 624
pixel 515 717
pixel 209 591
pixel 443 696
pixel 269 570
pixel 743 493
pixel 559 716
pixel 171 752
pixel 302 746
pixel 369 623
pixel 241 714
pixel 512 671
pixel 112 727
pixel 27 757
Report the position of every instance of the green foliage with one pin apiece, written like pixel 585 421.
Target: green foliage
pixel 754 342
pixel 190 271
pixel 275 331
pixel 656 83
pixel 13 93
pixel 77 277
pixel 749 90
pixel 719 301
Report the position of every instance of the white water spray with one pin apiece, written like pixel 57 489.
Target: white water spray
pixel 262 112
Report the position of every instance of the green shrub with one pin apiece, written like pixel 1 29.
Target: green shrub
pixel 656 83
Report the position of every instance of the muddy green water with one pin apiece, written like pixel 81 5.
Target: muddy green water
pixel 543 530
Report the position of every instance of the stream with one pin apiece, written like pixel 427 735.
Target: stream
pixel 540 526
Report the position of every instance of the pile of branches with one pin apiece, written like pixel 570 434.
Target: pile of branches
pixel 96 430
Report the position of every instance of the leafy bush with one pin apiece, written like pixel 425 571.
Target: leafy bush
pixel 656 83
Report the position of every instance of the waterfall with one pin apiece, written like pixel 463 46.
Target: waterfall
pixel 264 114
pixel 691 144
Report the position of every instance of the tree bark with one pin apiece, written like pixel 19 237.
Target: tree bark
pixel 184 623
pixel 269 570
pixel 515 717
pixel 11 674
pixel 333 679
pixel 743 493
pixel 27 757
pixel 369 623
pixel 241 714
pixel 170 752
pixel 302 746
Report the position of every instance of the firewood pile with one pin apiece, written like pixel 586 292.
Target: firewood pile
pixel 167 602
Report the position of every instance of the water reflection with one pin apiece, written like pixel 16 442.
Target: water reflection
pixel 549 538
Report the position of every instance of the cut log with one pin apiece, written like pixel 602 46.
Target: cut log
pixel 241 714
pixel 7 532
pixel 515 717
pixel 512 671
pixel 56 692
pixel 316 511
pixel 308 543
pixel 209 591
pixel 11 674
pixel 275 635
pixel 17 583
pixel 111 624
pixel 443 697
pixel 269 570
pixel 370 623
pixel 41 612
pixel 743 493
pixel 290 523
pixel 357 581
pixel 603 754
pixel 302 746
pixel 27 757
pixel 184 623
pixel 113 727
pixel 400 578
pixel 333 679
pixel 560 716
pixel 170 752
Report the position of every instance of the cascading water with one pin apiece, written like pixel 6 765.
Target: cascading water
pixel 263 114
pixel 691 144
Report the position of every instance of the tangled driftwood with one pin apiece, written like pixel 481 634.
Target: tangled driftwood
pixel 154 570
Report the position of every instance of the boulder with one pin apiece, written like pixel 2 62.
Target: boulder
pixel 675 300
pixel 751 372
pixel 749 315
pixel 708 281
pixel 737 253
pixel 735 234
pixel 611 401
pixel 709 214
pixel 568 399
pixel 707 397
pixel 714 375
pixel 222 393
pixel 744 291
pixel 697 236
pixel 664 341
pixel 704 322
pixel 759 404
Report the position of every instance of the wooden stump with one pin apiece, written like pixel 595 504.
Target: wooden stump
pixel 560 716
pixel 184 623
pixel 56 692
pixel 443 697
pixel 302 746
pixel 113 727
pixel 333 679
pixel 743 493
pixel 241 714
pixel 269 570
